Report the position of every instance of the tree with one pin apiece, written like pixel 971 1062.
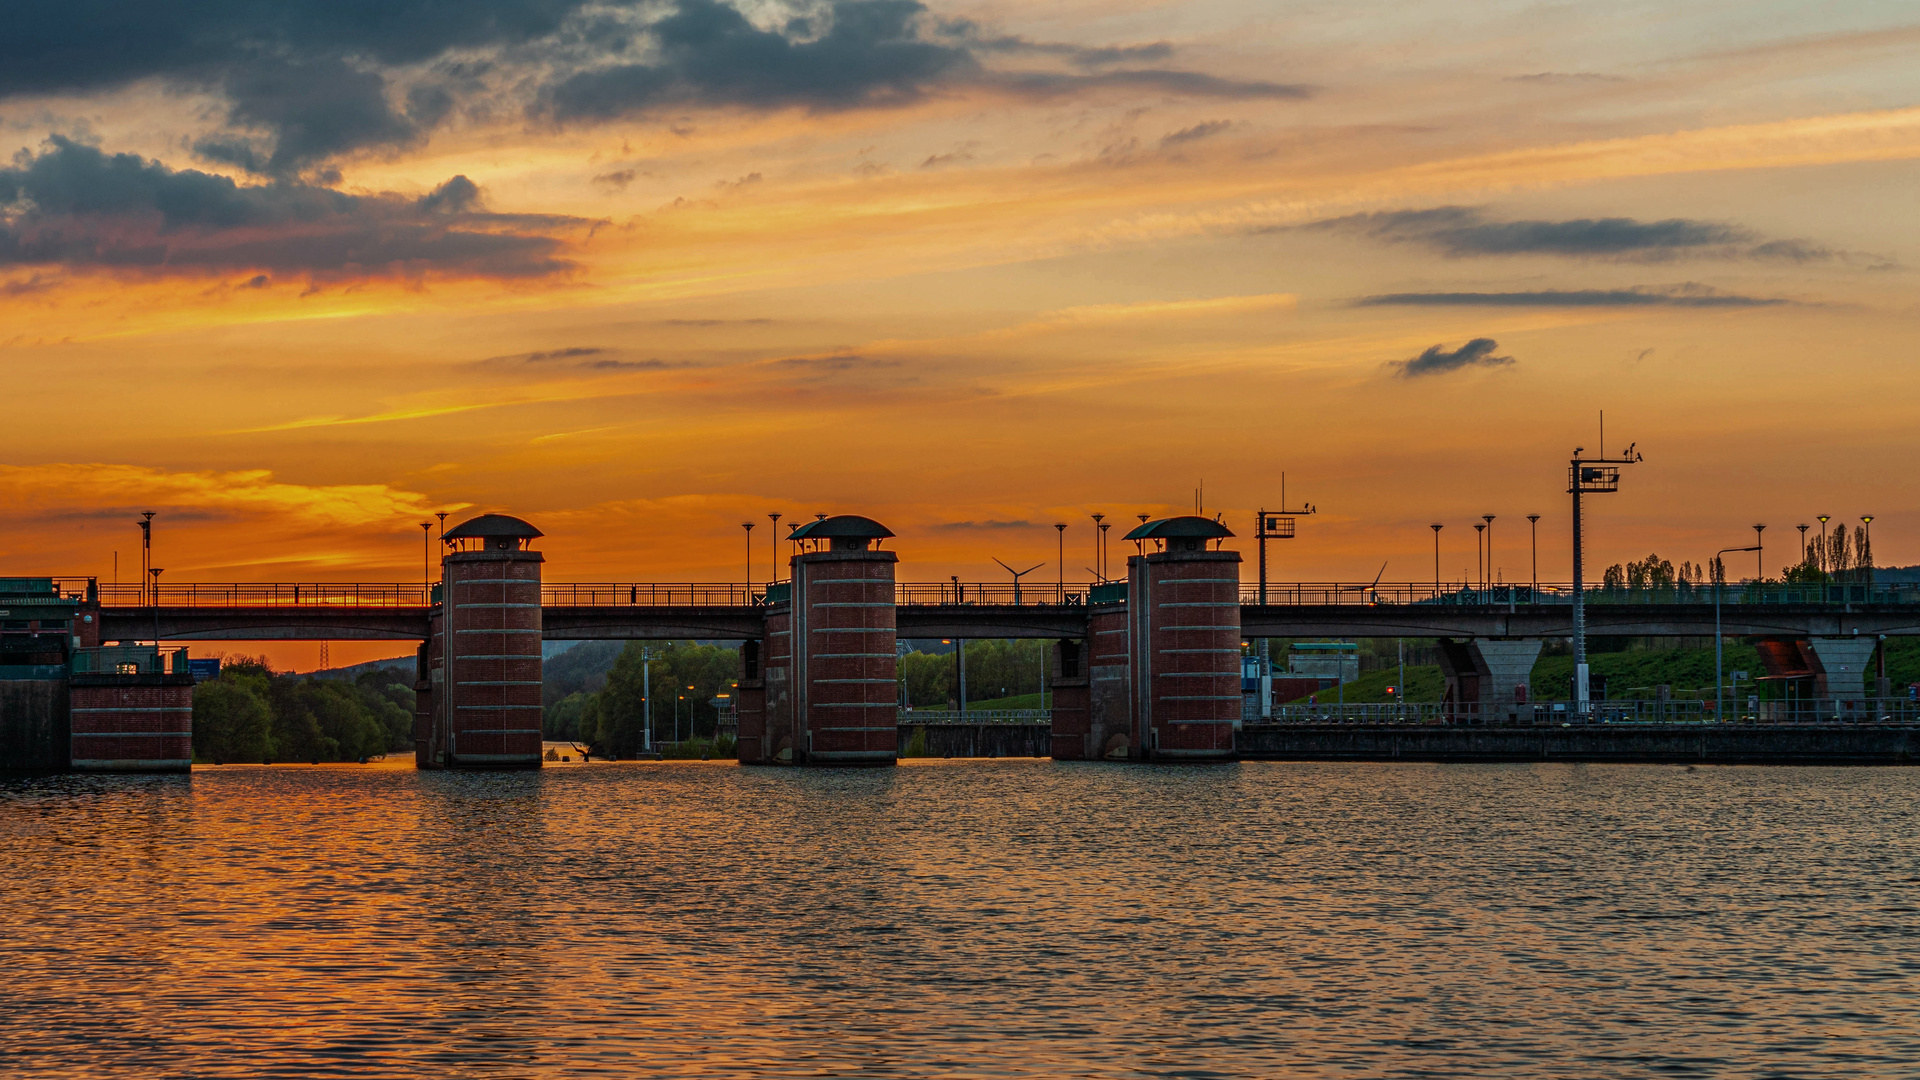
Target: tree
pixel 231 718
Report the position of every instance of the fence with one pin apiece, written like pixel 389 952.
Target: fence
pixel 1554 713
pixel 976 716
pixel 974 594
pixel 131 660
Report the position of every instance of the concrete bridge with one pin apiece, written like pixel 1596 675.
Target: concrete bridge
pixel 1145 666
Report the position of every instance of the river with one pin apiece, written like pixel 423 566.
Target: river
pixel 1005 918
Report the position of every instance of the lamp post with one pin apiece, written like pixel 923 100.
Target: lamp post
pixel 155 572
pixel 1533 521
pixel 775 518
pixel 1490 573
pixel 1867 520
pixel 1480 555
pixel 1099 567
pixel 1803 541
pixel 1759 557
pixel 646 698
pixel 1436 527
pixel 1060 529
pixel 1719 643
pixel 1823 519
pixel 426 560
pixel 1104 560
pixel 748 526
pixel 146 547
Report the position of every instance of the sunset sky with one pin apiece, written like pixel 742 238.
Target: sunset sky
pixel 297 274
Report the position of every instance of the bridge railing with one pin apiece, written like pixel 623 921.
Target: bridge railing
pixel 268 594
pixel 982 594
pixel 976 716
pixel 1289 594
pixel 1890 710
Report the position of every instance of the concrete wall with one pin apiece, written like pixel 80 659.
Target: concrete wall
pixel 1728 743
pixel 34 722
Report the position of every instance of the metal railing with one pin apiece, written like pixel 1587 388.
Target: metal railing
pixel 976 716
pixel 983 594
pixel 131 660
pixel 1843 712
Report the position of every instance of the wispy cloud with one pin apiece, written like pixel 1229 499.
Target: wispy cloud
pixel 1673 296
pixel 1462 231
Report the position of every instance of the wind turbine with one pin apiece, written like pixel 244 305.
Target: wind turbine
pixel 1017 575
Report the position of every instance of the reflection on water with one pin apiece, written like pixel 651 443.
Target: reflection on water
pixel 1004 918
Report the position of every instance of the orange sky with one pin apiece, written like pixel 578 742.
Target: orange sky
pixel 970 273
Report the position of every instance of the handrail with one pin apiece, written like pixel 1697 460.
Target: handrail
pixel 976 716
pixel 948 594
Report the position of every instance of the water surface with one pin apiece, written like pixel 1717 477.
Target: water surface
pixel 964 918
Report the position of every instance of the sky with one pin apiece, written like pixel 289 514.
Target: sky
pixel 296 275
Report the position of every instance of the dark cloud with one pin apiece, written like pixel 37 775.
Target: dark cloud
pixel 1438 360
pixel 618 179
pixel 1195 133
pixel 1677 296
pixel 855 53
pixel 307 81
pixel 573 353
pixel 79 206
pixel 1461 231
pixel 837 363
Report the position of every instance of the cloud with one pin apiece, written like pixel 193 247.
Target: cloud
pixel 847 54
pixel 1195 133
pixel 104 490
pixel 1462 232
pixel 1689 295
pixel 1438 360
pixel 78 206
pixel 1565 77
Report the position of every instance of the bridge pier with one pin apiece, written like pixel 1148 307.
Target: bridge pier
pixel 1184 637
pixel 1110 720
pixel 484 666
pixel 1840 670
pixel 832 685
pixel 1487 679
pixel 1070 737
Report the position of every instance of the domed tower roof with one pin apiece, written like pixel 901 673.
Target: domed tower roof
pixel 1188 526
pixel 842 526
pixel 495 532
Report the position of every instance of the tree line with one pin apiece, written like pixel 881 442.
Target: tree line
pixel 685 679
pixel 253 713
pixel 996 668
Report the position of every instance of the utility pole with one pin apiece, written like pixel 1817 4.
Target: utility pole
pixel 1587 476
pixel 1272 525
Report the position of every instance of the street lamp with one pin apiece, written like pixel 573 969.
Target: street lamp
pixel 146 547
pixel 1490 574
pixel 775 518
pixel 426 559
pixel 1533 520
pixel 1060 528
pixel 1099 534
pixel 1719 643
pixel 1803 541
pixel 1823 519
pixel 1436 527
pixel 1867 520
pixel 748 526
pixel 1587 476
pixel 1759 559
pixel 155 572
pixel 1479 554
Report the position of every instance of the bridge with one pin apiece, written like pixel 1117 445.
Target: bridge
pixel 638 611
pixel 1144 667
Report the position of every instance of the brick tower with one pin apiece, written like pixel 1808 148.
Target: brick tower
pixel 832 689
pixel 1183 615
pixel 484 653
